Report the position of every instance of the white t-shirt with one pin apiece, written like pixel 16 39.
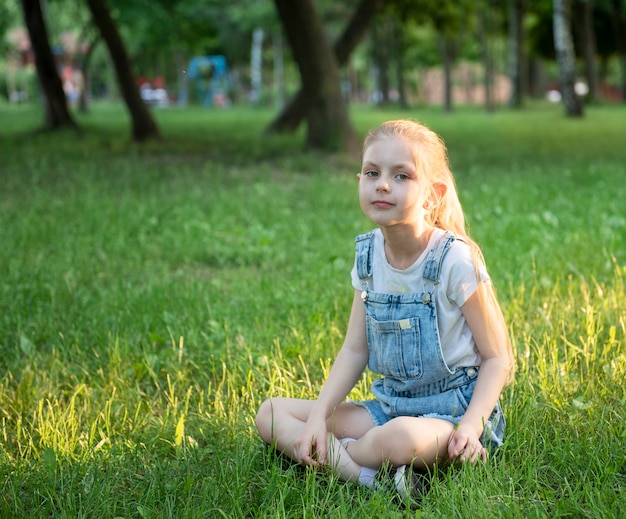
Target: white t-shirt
pixel 457 282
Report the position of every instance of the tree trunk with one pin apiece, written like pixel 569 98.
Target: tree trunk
pixel 380 56
pixel 586 37
pixel 291 116
pixel 483 30
pixel 256 66
pixel 181 79
pixel 399 58
pixel 566 59
pixel 279 70
pixel 144 126
pixel 446 50
pixel 516 9
pixel 590 50
pixel 537 81
pixel 619 30
pixel 84 67
pixel 328 124
pixel 56 111
pixel 622 62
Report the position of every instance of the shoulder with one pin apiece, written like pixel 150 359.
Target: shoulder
pixel 460 261
pixel 456 251
pixel 371 238
pixel 461 251
pixel 367 235
pixel 459 275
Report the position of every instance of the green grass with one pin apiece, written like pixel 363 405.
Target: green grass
pixel 152 296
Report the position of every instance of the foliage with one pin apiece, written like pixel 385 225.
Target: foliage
pixel 151 296
pixel 540 29
pixel 194 28
pixel 9 15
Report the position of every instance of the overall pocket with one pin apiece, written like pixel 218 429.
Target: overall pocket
pixel 394 347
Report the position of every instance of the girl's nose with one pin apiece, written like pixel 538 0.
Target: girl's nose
pixel 382 185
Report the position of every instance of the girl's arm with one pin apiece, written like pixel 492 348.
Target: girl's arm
pixel 311 445
pixel 489 330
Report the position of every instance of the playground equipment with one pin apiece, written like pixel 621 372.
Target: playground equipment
pixel 210 79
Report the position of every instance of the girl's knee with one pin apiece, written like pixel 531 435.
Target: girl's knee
pixel 399 426
pixel 265 419
pixel 409 440
pixel 277 416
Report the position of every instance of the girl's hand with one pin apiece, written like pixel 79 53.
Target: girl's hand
pixel 464 445
pixel 311 445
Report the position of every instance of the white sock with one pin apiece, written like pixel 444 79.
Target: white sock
pixel 366 476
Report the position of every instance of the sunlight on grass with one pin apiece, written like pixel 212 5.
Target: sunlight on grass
pixel 153 296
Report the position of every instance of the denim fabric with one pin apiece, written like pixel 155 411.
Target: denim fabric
pixel 449 402
pixel 404 347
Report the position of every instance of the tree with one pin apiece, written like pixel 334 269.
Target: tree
pixel 566 60
pixel 9 13
pixel 484 23
pixel 56 110
pixel 388 51
pixel 516 10
pixel 618 17
pixel 449 18
pixel 90 46
pixel 399 44
pixel 328 124
pixel 382 52
pixel 447 49
pixel 291 116
pixel 144 126
pixel 447 24
pixel 586 38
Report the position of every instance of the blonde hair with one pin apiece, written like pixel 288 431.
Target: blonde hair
pixel 433 168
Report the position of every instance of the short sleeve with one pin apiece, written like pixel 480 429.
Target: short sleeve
pixel 356 282
pixel 459 273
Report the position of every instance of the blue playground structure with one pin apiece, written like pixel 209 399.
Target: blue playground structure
pixel 210 79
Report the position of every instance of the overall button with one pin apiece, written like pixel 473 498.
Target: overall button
pixel 471 372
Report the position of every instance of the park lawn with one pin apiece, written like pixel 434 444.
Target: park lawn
pixel 152 296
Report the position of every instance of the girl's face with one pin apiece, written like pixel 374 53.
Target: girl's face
pixel 389 189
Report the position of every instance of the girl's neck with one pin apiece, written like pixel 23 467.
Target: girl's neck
pixel 404 245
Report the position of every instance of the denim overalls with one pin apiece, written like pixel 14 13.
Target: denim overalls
pixel 404 347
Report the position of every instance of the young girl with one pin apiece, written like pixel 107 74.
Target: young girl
pixel 424 316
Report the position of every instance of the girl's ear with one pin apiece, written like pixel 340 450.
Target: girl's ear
pixel 438 192
pixel 440 189
pixel 358 176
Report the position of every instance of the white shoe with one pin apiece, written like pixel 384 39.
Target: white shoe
pixel 410 484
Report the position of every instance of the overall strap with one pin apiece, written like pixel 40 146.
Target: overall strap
pixel 432 269
pixel 364 249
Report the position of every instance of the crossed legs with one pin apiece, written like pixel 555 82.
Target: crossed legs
pixel 401 441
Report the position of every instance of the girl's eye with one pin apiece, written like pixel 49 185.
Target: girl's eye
pixel 371 173
pixel 402 176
